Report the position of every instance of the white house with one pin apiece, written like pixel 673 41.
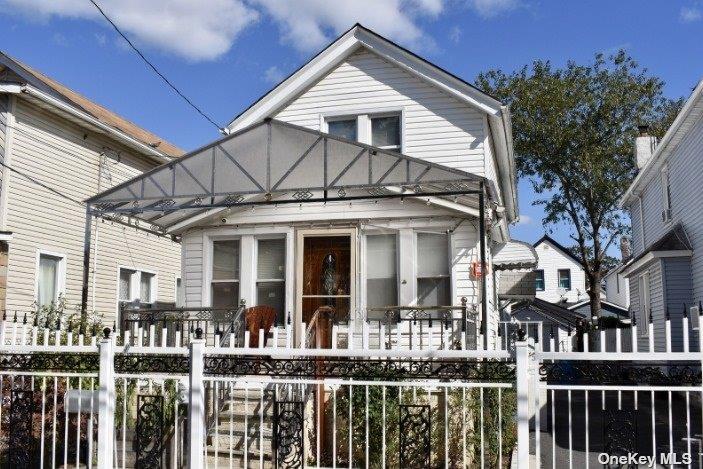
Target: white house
pixel 559 274
pixel 617 288
pixel 369 178
pixel 58 148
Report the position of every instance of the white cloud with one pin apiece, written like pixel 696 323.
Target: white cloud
pixel 492 8
pixel 690 14
pixel 194 30
pixel 307 25
pixel 455 34
pixel 524 220
pixel 273 74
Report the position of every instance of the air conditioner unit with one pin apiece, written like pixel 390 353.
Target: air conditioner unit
pixel 666 215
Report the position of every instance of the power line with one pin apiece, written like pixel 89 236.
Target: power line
pixel 156 70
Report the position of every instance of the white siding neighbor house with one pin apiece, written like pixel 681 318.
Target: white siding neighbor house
pixel 560 278
pixel 57 148
pixel 664 201
pixel 617 288
pixel 357 184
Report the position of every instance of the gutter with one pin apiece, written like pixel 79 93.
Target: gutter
pixel 117 134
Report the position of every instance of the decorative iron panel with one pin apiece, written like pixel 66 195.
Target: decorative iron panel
pixel 149 432
pixel 619 432
pixel 289 418
pixel 342 367
pixel 20 442
pixel 148 363
pixel 45 361
pixel 620 373
pixel 415 429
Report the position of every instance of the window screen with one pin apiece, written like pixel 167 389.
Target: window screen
pixel 271 274
pixel 433 269
pixel 145 284
pixel 381 271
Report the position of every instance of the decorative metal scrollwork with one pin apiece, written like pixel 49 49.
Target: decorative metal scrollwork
pixel 302 195
pixel 20 442
pixel 620 373
pixel 233 199
pixel 165 203
pixel 341 192
pixel 342 367
pixel 456 186
pixel 289 421
pixel 147 363
pixel 377 191
pixel 46 361
pixel 149 431
pixel 620 432
pixel 415 428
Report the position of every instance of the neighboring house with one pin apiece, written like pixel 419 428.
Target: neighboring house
pixel 617 288
pixel 558 323
pixel 607 309
pixel 57 148
pixel 560 278
pixel 339 201
pixel 664 201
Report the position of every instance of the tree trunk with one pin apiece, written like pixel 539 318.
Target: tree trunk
pixel 594 294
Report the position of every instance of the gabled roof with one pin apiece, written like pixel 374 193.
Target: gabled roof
pixel 275 162
pixel 357 37
pixel 553 312
pixel 14 71
pixel 689 115
pixel 514 255
pixel 556 244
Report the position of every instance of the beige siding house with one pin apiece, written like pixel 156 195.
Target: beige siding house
pixel 57 150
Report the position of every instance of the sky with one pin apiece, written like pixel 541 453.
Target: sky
pixel 224 54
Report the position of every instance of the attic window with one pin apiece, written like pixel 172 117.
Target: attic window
pixel 380 130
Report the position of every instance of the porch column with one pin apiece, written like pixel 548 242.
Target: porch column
pixel 247 274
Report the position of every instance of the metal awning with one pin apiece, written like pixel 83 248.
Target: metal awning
pixel 274 162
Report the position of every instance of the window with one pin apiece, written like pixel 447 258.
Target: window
pixel 271 275
pixel 385 132
pixel 225 274
pixel 345 128
pixel 381 271
pixel 539 280
pixel 49 278
pixel 644 304
pixel 180 300
pixel 433 269
pixel 666 195
pixel 136 285
pixel 565 279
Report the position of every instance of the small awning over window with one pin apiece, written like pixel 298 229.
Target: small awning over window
pixel 276 163
pixel 514 255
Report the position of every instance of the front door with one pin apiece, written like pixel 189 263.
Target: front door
pixel 326 273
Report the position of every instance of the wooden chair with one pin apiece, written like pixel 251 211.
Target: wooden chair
pixel 259 317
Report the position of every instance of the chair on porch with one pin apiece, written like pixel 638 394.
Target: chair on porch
pixel 259 317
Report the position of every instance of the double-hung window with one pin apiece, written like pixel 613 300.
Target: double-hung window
pixel 539 280
pixel 433 269
pixel 565 279
pixel 381 272
pixel 379 130
pixel 224 288
pixel 49 279
pixel 136 285
pixel 271 275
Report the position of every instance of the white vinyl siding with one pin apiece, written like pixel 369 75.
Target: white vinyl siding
pixel 436 126
pixel 552 261
pixel 66 158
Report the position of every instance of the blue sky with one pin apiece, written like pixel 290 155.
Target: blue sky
pixel 224 54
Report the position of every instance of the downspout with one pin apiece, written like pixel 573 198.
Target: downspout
pixel 482 248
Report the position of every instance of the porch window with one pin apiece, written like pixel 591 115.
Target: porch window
pixel 225 274
pixel 136 285
pixel 271 275
pixel 539 280
pixel 345 128
pixel 565 279
pixel 433 269
pixel 125 287
pixel 146 282
pixel 381 271
pixel 48 288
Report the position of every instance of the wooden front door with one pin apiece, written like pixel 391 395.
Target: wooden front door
pixel 326 276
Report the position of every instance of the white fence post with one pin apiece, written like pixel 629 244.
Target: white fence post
pixel 522 362
pixel 106 402
pixel 196 408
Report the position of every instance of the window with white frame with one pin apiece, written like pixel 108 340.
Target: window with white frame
pixel 224 288
pixel 564 278
pixel 379 130
pixel 271 275
pixel 49 279
pixel 666 195
pixel 433 274
pixel 136 285
pixel 644 303
pixel 381 272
